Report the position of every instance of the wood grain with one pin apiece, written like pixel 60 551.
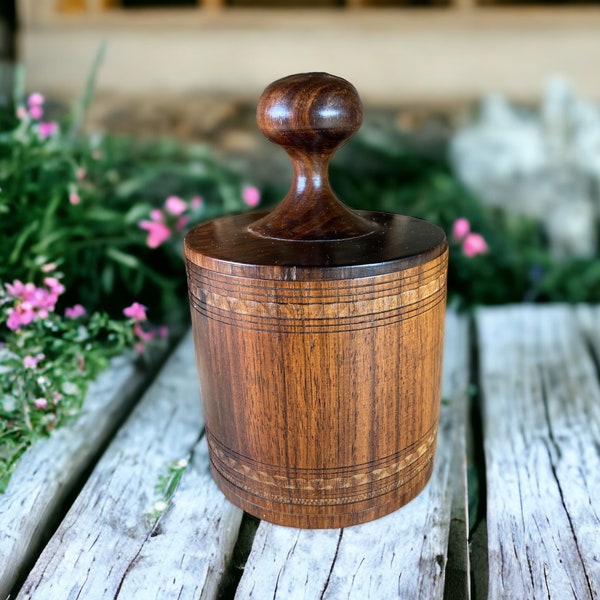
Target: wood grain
pixel 402 555
pixel 333 418
pixel 49 471
pixel 318 333
pixel 310 115
pixel 541 413
pixel 106 547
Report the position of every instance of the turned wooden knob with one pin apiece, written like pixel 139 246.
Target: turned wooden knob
pixel 310 115
pixel 310 112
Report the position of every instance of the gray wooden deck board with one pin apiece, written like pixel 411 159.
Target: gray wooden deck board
pixel 540 395
pixel 106 547
pixel 541 421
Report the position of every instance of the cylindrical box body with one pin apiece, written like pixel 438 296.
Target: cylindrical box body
pixel 320 386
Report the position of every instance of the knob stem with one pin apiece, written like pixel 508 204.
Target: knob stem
pixel 310 115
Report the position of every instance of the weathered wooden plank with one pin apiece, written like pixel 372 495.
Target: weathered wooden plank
pixel 187 555
pixel 106 547
pixel 541 417
pixel 402 555
pixel 48 471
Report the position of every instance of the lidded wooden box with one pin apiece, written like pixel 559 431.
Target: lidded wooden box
pixel 318 333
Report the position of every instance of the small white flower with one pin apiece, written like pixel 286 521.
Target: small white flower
pixel 8 403
pixel 160 506
pixel 70 389
pixel 182 463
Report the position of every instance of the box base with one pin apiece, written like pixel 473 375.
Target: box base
pixel 325 516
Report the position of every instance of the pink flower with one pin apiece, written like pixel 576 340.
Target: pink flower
pixel 251 196
pixel 157 215
pixel 31 362
pixel 17 288
pixel 175 206
pixel 35 99
pixel 33 302
pixel 54 285
pixel 460 228
pixel 40 402
pixel 474 244
pixel 80 174
pixel 163 331
pixel 36 112
pixel 18 317
pixel 21 113
pixel 44 303
pixel 136 311
pixel 74 312
pixel 196 202
pixel 35 103
pixel 74 198
pixel 48 267
pixel 157 232
pixel 140 347
pixel 46 129
pixel 181 222
pixel 145 336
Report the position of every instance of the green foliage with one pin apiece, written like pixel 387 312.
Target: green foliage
pixel 165 488
pixel 72 212
pixel 518 267
pixel 45 370
pixel 77 203
pixel 78 213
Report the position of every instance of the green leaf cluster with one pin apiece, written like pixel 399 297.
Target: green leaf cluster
pixel 97 242
pixel 165 487
pixel 70 206
pixel 389 174
pixel 72 353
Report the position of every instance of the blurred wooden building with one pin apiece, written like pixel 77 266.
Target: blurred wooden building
pixel 392 50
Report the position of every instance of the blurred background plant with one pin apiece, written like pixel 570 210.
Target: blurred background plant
pixel 111 212
pixel 382 170
pixel 86 203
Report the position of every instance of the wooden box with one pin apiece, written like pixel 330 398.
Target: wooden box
pixel 318 333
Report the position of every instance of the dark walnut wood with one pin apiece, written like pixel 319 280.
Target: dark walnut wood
pixel 318 334
pixel 310 115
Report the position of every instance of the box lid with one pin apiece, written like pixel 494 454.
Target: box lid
pixel 311 234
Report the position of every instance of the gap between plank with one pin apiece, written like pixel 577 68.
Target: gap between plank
pixel 476 474
pixel 239 557
pixel 592 348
